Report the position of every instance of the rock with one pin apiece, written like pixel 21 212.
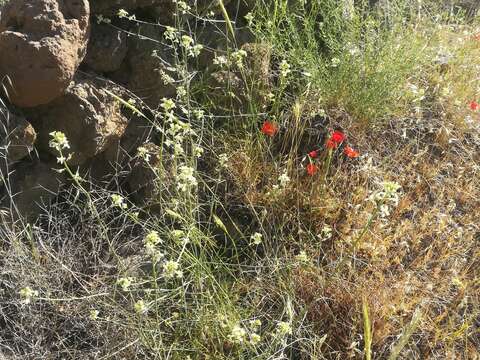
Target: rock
pixel 42 43
pixel 88 115
pixel 162 10
pixel 148 61
pixel 142 178
pixel 106 49
pixel 228 88
pixel 117 158
pixel 17 137
pixel 109 7
pixel 33 184
pixel 237 9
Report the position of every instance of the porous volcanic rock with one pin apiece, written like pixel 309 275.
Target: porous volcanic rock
pixel 33 184
pixel 106 49
pixel 109 7
pixel 42 43
pixel 143 176
pixel 17 137
pixel 163 10
pixel 89 116
pixel 149 62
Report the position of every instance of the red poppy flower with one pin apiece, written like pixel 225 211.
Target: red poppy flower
pixel 350 152
pixel 313 154
pixel 337 137
pixel 474 106
pixel 312 169
pixel 331 144
pixel 269 128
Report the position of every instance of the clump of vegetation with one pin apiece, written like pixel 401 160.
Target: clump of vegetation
pixel 324 209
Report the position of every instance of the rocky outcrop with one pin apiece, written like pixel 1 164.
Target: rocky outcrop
pixel 106 49
pixel 89 116
pixel 42 43
pixel 53 55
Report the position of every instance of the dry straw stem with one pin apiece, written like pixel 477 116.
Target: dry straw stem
pixel 407 333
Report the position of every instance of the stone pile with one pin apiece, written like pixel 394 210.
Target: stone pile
pixel 65 64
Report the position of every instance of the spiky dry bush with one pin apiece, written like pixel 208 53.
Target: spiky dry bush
pixel 241 253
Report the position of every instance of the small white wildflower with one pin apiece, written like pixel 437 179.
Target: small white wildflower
pixel 249 18
pixel 198 151
pixel 195 50
pixel 93 315
pixel 199 114
pixel 255 324
pixel 256 238
pixel 302 257
pixel 142 152
pixel 183 6
pixel 171 269
pixel 140 307
pixel 220 60
pixel 187 41
pixel 284 328
pixel 335 62
pixel 186 178
pixel 326 232
pixel 284 68
pixel 59 141
pixel 122 13
pixel 223 160
pixel 27 294
pixel 118 201
pixel 255 339
pixel 170 34
pixel 152 238
pixel 238 334
pixel 238 57
pixel 284 179
pixel 168 104
pixel 125 283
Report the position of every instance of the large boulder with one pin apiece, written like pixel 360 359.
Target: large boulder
pixel 42 43
pixel 148 66
pixel 106 49
pixel 87 113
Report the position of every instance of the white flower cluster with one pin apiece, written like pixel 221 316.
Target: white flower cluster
pixel 27 294
pixel 387 197
pixel 284 69
pixel 118 201
pixel 150 242
pixel 171 269
pixel 186 178
pixel 240 335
